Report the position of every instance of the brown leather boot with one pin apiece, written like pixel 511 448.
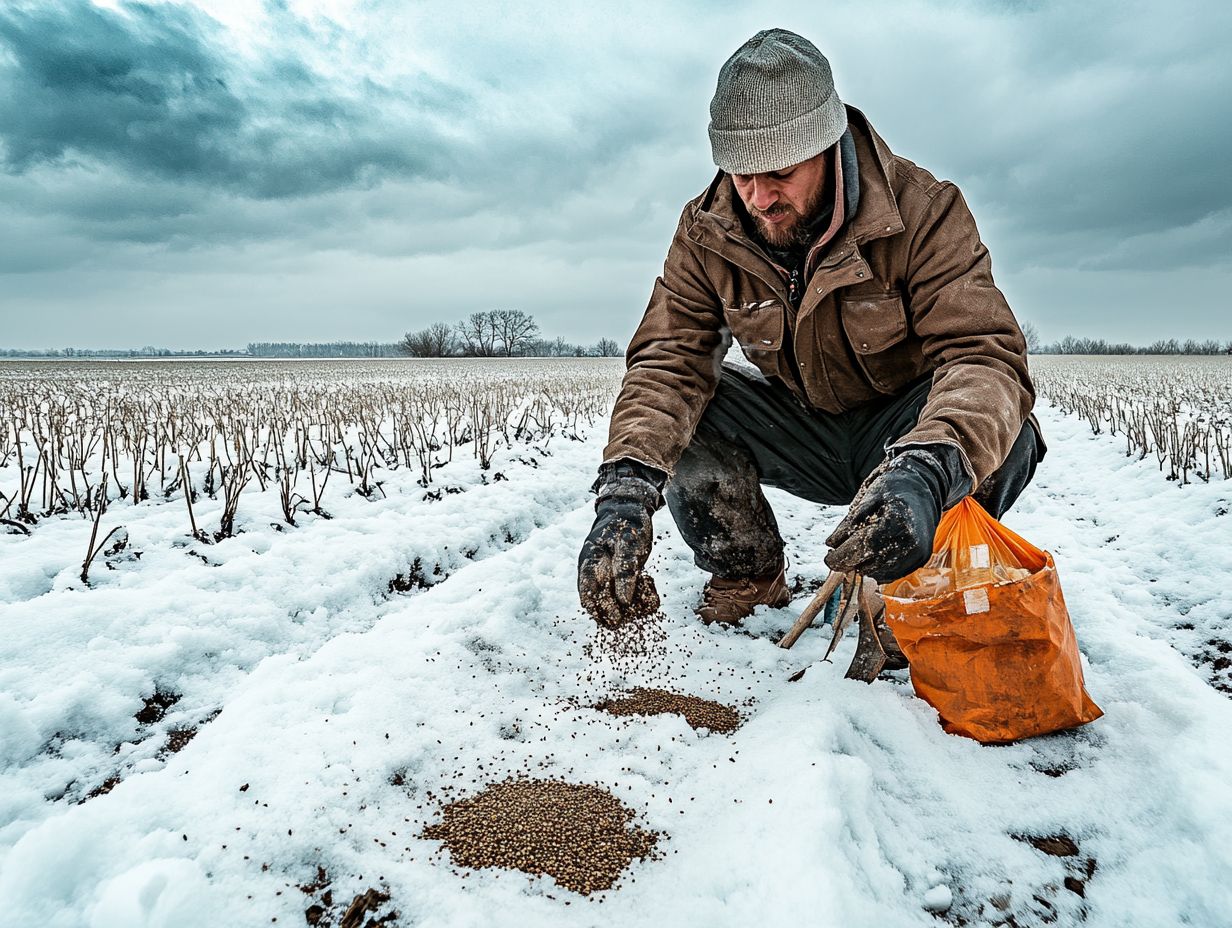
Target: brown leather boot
pixel 729 601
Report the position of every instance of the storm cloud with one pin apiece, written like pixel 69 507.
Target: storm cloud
pixel 150 91
pixel 242 170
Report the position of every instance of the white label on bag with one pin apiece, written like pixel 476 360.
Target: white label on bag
pixel 979 555
pixel 975 600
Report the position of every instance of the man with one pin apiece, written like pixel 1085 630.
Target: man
pixel 891 370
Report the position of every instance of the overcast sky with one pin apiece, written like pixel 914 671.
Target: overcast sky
pixel 205 175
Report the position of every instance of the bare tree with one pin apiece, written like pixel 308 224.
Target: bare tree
pixel 607 348
pixel 548 348
pixel 1171 346
pixel 477 335
pixel 436 341
pixel 443 339
pixel 1031 334
pixel 514 330
pixel 416 344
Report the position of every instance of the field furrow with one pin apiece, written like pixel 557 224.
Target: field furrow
pixel 833 797
pixel 83 670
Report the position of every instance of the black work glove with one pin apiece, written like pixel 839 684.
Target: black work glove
pixel 611 584
pixel 888 531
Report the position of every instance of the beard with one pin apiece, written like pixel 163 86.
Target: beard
pixel 795 231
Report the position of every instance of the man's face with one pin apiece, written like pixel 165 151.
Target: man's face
pixel 782 202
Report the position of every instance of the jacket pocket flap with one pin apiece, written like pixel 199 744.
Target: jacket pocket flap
pixel 875 323
pixel 757 326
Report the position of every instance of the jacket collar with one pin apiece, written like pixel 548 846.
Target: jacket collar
pixel 714 217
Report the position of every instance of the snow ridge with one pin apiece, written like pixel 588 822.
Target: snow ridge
pixel 836 803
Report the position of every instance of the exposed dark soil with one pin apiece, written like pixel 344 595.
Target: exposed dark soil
pixel 799 586
pixel 364 904
pixel 418 576
pixel 699 713
pixel 102 789
pixel 1205 643
pixel 415 578
pixel 178 738
pixel 579 834
pixel 1054 771
pixel 363 911
pixel 1080 868
pixel 156 706
pixel 1024 906
pixel 1053 845
pixel 317 912
pixel 1217 655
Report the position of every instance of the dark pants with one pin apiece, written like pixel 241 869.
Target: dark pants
pixel 757 433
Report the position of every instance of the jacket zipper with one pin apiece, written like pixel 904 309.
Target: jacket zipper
pixel 793 362
pixel 777 288
pixel 794 290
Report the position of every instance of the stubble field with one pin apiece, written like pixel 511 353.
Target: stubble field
pixel 260 623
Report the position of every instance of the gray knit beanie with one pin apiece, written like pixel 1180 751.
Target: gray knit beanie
pixel 775 105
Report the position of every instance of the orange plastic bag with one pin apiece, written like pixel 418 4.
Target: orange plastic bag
pixel 987 633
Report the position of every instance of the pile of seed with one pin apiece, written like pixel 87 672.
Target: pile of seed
pixel 699 713
pixel 578 834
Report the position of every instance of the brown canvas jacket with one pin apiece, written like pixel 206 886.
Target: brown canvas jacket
pixel 906 289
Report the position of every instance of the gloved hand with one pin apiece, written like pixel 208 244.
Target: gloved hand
pixel 611 584
pixel 888 531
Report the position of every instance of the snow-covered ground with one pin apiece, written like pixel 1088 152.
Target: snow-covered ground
pixel 343 706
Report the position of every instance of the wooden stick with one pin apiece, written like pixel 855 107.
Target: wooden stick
pixel 870 659
pixel 871 656
pixel 851 607
pixel 885 635
pixel 868 599
pixel 812 610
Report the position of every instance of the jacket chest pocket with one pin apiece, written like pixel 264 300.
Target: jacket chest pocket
pixel 876 327
pixel 757 326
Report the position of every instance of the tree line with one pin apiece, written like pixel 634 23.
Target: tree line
pixel 504 333
pixel 323 350
pixel 108 354
pixel 500 333
pixel 1071 345
pixel 497 333
pixel 253 350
